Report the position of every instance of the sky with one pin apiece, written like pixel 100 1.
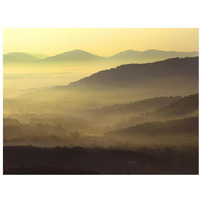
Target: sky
pixel 99 41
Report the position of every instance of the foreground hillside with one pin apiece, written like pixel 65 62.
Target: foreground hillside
pixel 32 160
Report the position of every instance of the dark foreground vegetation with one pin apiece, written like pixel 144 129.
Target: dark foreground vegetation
pixel 77 160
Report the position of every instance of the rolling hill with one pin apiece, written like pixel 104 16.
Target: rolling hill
pixel 78 56
pixel 39 56
pixel 152 55
pixel 74 56
pixel 16 57
pixel 125 83
pixel 171 127
pixel 184 106
pixel 146 105
pixel 167 74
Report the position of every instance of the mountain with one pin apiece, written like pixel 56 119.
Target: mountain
pixel 78 56
pixel 39 56
pixel 171 127
pixel 184 106
pixel 74 56
pixel 19 57
pixel 129 56
pixel 152 55
pixel 131 82
pixel 142 106
pixel 124 115
pixel 169 74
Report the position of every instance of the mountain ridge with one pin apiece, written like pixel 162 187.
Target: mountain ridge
pixel 186 107
pixel 74 55
pixel 19 57
pixel 176 126
pixel 127 74
pixel 123 57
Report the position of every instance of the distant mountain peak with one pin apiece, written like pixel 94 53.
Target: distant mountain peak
pixel 19 57
pixel 78 55
pixel 75 55
pixel 150 55
pixel 78 50
pixel 17 53
pixel 154 50
pixel 129 50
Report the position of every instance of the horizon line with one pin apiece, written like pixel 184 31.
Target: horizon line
pixel 99 55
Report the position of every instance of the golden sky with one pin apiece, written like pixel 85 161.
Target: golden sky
pixel 99 41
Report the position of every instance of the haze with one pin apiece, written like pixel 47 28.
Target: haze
pixel 100 101
pixel 100 41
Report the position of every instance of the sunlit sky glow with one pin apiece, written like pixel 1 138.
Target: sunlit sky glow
pixel 99 41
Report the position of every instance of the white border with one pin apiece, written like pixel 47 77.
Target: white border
pixel 97 14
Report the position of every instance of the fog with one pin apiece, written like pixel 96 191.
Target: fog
pixel 71 119
pixel 22 78
pixel 41 109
